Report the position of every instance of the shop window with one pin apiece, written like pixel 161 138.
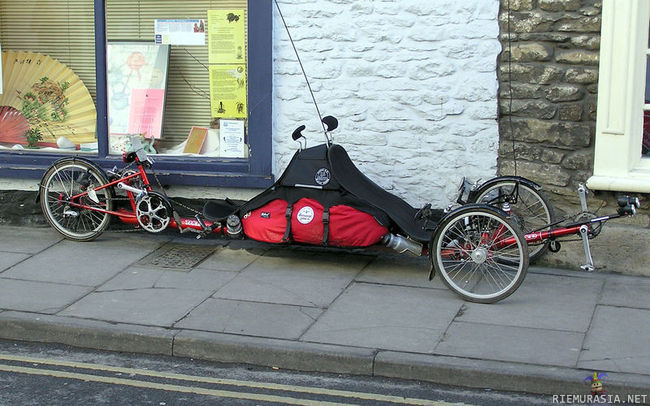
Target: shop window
pixel 177 75
pixel 621 157
pixel 47 102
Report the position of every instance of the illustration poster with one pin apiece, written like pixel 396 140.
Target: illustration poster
pixel 137 79
pixel 180 32
pixel 227 36
pixel 228 91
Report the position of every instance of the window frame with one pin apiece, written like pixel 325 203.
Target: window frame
pixel 252 172
pixel 618 163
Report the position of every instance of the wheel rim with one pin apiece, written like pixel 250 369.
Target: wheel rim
pixel 530 212
pixel 471 261
pixel 66 181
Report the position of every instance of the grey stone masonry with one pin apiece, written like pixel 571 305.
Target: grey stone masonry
pixel 548 79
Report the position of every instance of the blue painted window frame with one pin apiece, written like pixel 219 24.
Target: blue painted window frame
pixel 253 172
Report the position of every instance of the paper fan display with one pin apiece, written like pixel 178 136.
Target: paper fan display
pixel 48 97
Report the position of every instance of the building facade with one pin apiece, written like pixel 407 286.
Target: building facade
pixel 426 92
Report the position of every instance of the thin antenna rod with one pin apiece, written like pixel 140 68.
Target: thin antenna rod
pixel 303 71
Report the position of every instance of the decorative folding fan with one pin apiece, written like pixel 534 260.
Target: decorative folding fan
pixel 42 93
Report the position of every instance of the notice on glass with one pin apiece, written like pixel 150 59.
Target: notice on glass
pixel 180 32
pixel 231 139
pixel 228 91
pixel 227 36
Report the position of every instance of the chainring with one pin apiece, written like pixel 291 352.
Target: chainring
pixel 594 228
pixel 153 212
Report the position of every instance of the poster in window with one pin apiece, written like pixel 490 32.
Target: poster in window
pixel 180 32
pixel 227 36
pixel 231 139
pixel 137 80
pixel 228 91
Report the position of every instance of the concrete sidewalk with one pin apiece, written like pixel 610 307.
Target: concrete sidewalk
pixel 364 313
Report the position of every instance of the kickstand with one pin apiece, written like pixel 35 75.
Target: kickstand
pixel 584 234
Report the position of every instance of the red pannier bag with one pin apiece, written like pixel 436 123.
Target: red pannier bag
pixel 349 227
pixel 267 223
pixel 307 221
pixel 346 227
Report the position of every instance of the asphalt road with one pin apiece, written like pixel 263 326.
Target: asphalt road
pixel 32 374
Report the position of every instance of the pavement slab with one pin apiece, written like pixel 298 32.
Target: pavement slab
pixel 628 291
pixel 85 264
pixel 618 341
pixel 298 278
pixel 139 277
pixel 506 343
pixel 250 318
pixel 148 307
pixel 403 270
pixel 537 302
pixel 231 258
pixel 9 259
pixel 41 297
pixel 387 317
pixel 27 240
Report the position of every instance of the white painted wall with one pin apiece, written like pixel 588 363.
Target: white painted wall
pixel 412 82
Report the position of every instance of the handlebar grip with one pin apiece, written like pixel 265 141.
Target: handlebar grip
pixel 624 201
pixel 628 210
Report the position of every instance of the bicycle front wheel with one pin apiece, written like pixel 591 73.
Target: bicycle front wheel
pixel 70 201
pixel 529 207
pixel 479 253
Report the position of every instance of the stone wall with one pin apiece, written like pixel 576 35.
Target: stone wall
pixel 548 82
pixel 547 94
pixel 412 82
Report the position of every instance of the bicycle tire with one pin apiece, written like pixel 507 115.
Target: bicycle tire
pixel 67 178
pixel 466 251
pixel 532 210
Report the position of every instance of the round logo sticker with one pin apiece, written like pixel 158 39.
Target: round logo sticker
pixel 323 176
pixel 305 215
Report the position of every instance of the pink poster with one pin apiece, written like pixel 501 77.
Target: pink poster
pixel 145 112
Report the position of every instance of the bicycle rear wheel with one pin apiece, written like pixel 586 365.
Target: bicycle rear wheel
pixel 529 207
pixel 70 201
pixel 479 253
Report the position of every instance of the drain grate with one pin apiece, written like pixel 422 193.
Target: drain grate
pixel 177 256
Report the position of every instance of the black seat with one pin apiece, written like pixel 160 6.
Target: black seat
pixel 355 182
pixel 219 211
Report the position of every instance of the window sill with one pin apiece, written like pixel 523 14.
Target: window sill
pixel 636 181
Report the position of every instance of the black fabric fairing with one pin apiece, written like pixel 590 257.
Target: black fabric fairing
pixel 352 180
pixel 328 175
pixel 310 168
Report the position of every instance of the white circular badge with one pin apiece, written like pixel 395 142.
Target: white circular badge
pixel 305 215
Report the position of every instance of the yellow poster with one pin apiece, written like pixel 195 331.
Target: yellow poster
pixel 227 36
pixel 228 91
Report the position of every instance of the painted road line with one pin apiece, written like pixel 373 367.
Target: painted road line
pixel 162 386
pixel 230 382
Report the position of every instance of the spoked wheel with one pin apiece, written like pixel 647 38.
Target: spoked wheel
pixel 479 253
pixel 530 209
pixel 69 195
